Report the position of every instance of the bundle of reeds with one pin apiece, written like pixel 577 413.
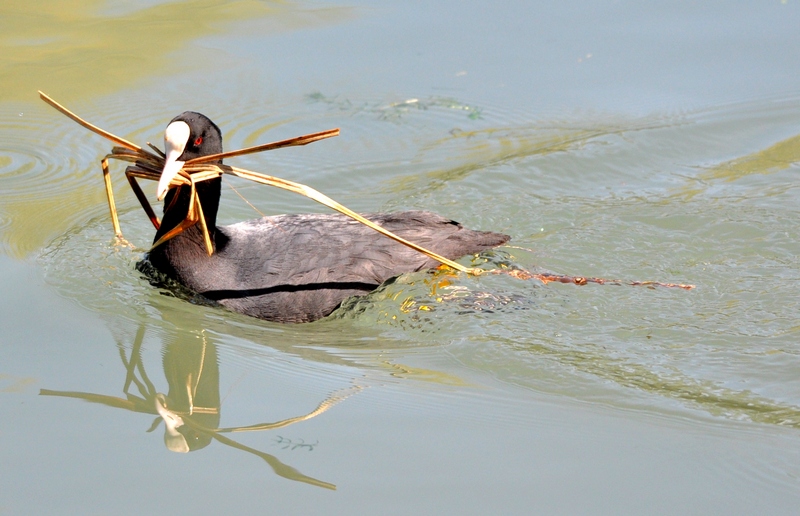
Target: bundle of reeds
pixel 148 165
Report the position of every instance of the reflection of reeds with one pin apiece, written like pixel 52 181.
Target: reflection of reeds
pixel 193 378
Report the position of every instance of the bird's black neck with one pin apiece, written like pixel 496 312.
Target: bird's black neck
pixel 176 207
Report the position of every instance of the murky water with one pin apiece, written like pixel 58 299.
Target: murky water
pixel 612 140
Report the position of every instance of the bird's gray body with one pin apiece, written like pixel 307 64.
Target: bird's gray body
pixel 299 268
pixel 287 268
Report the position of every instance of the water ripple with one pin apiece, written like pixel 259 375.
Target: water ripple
pixel 583 197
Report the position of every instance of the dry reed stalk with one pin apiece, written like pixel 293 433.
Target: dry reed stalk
pixel 148 165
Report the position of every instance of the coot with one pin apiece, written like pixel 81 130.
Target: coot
pixel 288 268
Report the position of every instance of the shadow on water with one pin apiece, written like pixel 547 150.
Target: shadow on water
pixel 191 409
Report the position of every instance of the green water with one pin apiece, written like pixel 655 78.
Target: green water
pixel 620 141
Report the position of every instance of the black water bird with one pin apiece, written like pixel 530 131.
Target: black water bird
pixel 288 268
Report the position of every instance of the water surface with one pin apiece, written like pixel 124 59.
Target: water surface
pixel 610 140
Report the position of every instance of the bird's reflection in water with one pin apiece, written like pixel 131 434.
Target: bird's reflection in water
pixel 191 409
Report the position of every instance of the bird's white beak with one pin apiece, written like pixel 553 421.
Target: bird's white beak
pixel 174 440
pixel 176 137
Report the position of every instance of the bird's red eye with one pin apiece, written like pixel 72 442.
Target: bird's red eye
pixel 198 141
